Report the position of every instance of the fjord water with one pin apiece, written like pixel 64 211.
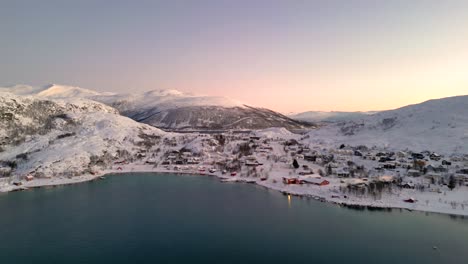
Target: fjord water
pixel 149 218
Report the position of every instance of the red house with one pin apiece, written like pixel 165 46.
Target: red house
pixel 291 180
pixel 317 181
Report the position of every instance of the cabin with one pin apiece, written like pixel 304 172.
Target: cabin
pixel 417 156
pixel 253 163
pixel 29 177
pixel 316 181
pixel 446 163
pixel 434 168
pixel 310 158
pixel 342 173
pixel 291 180
pixel 389 166
pixel 359 183
pixel 435 156
pixel 401 154
pixel 306 172
pixel 414 173
pixel 387 178
pixel 407 185
pixel 456 158
pixel 151 161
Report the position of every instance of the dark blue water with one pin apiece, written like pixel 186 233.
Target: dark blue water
pixel 145 218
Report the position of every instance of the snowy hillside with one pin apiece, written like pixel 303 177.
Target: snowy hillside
pixel 322 116
pixel 439 125
pixel 175 110
pixel 56 138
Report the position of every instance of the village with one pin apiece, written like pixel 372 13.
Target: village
pixel 278 159
pixel 288 162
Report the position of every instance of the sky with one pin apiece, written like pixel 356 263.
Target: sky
pixel 289 56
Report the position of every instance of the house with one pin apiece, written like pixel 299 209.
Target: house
pixel 386 178
pixel 407 185
pixel 357 182
pixel 151 161
pixel 417 156
pixel 435 156
pixel 342 173
pixel 291 180
pixel 312 158
pixel 306 172
pixel 29 177
pixel 434 168
pixel 414 173
pixel 316 181
pixel 446 163
pixel 253 163
pixel 456 158
pixel 401 154
pixel 389 166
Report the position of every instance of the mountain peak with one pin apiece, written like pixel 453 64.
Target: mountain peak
pixel 164 92
pixel 64 91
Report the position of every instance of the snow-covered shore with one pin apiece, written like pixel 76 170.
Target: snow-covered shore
pixel 328 193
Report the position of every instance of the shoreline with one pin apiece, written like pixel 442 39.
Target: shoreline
pixel 357 205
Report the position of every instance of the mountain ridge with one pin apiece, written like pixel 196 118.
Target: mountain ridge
pixel 176 111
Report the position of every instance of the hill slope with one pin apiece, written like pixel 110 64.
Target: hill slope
pixel 333 116
pixel 439 125
pixel 57 138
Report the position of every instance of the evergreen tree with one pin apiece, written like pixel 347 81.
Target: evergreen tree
pixel 329 170
pixel 452 182
pixel 295 164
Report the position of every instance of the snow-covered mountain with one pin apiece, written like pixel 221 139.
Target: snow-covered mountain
pixel 333 116
pixel 174 110
pixel 438 125
pixel 50 137
pixel 52 91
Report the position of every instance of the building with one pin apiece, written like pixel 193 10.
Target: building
pixel 342 173
pixel 291 180
pixel 316 181
pixel 414 173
